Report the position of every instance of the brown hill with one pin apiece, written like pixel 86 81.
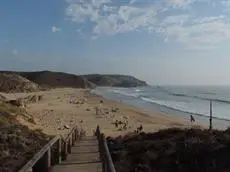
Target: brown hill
pixel 60 79
pixel 15 83
pixel 115 80
pixel 57 79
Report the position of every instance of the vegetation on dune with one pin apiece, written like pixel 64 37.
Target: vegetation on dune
pixel 15 83
pixel 2 98
pixel 17 142
pixel 170 150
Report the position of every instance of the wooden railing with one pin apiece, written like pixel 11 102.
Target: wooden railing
pixel 52 153
pixel 107 161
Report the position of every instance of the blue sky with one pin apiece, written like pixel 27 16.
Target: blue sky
pixel 176 42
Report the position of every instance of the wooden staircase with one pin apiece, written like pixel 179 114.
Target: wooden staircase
pixel 75 153
pixel 84 157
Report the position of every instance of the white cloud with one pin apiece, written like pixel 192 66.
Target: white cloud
pixel 132 1
pixel 55 29
pixel 98 3
pixel 180 3
pixel 82 12
pixel 203 33
pixel 209 19
pixel 178 19
pixel 116 20
pixel 127 19
pixel 226 5
pixel 107 8
pixel 225 2
pixel 185 26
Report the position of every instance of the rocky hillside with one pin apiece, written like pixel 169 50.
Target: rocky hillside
pixel 59 79
pixel 115 80
pixel 15 83
pixel 50 79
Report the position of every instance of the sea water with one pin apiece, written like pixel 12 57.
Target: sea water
pixel 178 100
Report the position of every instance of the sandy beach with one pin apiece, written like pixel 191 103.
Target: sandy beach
pixel 61 109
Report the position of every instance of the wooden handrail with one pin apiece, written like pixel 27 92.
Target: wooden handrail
pixel 39 155
pixel 42 160
pixel 70 134
pixel 106 158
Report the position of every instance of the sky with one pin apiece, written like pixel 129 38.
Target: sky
pixel 164 42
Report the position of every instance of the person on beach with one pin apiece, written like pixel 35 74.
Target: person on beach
pixel 192 119
pixel 99 108
pixel 139 129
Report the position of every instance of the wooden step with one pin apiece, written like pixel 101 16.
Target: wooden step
pixel 82 149
pixel 85 167
pixel 84 157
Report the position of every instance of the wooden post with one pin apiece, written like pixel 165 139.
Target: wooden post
pixel 75 131
pixel 97 133
pixel 69 145
pixel 70 139
pixel 210 119
pixel 65 150
pixel 59 142
pixel 48 159
pixel 73 138
pixel 44 163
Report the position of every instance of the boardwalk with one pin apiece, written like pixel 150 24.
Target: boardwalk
pixel 84 157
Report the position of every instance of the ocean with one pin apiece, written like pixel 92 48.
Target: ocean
pixel 178 101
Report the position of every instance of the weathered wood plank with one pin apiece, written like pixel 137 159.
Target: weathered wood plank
pixel 59 152
pixel 82 158
pixel 88 167
pixel 38 155
pixel 42 159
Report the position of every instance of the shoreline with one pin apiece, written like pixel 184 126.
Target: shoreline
pixel 68 107
pixel 202 120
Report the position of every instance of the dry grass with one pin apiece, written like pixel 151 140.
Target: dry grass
pixel 177 150
pixel 17 142
pixel 2 98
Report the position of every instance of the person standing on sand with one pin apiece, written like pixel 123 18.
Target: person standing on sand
pixel 192 119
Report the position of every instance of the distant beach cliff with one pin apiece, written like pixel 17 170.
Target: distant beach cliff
pixel 59 79
pixel 115 80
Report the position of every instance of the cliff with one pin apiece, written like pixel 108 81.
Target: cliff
pixel 51 79
pixel 115 80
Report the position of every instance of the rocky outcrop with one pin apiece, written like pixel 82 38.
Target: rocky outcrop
pixel 22 102
pixel 14 83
